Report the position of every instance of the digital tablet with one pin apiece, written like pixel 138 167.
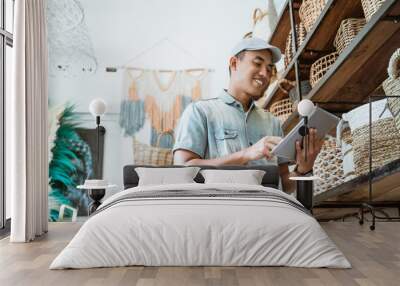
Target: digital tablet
pixel 319 119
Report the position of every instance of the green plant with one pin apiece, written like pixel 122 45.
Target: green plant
pixel 70 165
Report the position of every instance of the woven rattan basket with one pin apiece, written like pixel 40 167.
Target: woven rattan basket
pixel 328 166
pixel 391 86
pixel 282 109
pixel 348 29
pixel 289 49
pixel 144 154
pixel 309 12
pixel 385 145
pixel 321 66
pixel 370 7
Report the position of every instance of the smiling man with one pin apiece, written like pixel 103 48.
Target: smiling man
pixel 231 129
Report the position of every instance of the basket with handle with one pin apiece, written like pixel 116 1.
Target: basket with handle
pixel 309 12
pixel 282 109
pixel 348 29
pixel 321 66
pixel 370 7
pixel 391 86
pixel 144 154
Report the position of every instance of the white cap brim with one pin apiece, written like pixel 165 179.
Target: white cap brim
pixel 257 44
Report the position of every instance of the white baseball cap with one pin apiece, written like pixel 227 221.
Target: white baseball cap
pixel 256 44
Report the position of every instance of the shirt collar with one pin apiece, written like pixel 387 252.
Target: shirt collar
pixel 229 99
pixel 226 97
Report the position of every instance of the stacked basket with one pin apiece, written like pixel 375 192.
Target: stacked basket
pixel 328 166
pixel 347 31
pixel 282 109
pixel 309 12
pixel 289 48
pixel 321 66
pixel 370 7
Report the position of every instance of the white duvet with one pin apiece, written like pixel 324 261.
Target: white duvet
pixel 183 231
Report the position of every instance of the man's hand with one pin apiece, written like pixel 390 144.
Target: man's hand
pixel 262 148
pixel 314 147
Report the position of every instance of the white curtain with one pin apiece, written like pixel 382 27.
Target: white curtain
pixel 28 123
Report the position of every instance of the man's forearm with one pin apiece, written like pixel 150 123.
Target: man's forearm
pixel 237 158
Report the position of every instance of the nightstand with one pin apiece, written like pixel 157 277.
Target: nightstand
pixel 96 191
pixel 304 190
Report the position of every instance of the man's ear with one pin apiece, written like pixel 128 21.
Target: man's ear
pixel 233 63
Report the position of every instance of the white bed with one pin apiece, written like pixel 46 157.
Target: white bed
pixel 224 225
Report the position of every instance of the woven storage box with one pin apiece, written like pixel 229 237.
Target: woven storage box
pixel 328 166
pixel 144 154
pixel 309 12
pixel 391 86
pixel 370 7
pixel 321 66
pixel 348 29
pixel 289 49
pixel 385 145
pixel 282 109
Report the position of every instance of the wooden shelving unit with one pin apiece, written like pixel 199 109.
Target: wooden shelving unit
pixel 359 70
pixel 356 74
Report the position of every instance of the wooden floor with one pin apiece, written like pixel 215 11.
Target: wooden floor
pixel 374 255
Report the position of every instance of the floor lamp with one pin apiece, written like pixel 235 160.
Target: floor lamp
pixel 97 187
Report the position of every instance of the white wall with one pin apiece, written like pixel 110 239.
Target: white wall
pixel 122 29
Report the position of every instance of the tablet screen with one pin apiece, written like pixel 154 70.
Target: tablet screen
pixel 320 119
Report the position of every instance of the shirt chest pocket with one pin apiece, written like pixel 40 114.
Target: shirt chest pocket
pixel 227 140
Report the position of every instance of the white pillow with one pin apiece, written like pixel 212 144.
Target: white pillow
pixel 166 176
pixel 248 177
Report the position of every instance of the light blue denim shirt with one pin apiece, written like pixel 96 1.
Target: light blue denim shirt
pixel 219 126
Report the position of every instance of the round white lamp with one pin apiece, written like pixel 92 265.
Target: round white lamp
pixel 97 107
pixel 305 107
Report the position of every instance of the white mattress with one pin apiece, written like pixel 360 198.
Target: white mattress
pixel 183 231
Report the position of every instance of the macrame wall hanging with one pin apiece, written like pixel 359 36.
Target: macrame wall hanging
pixel 162 103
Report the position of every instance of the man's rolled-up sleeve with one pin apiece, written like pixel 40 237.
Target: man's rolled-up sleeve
pixel 191 133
